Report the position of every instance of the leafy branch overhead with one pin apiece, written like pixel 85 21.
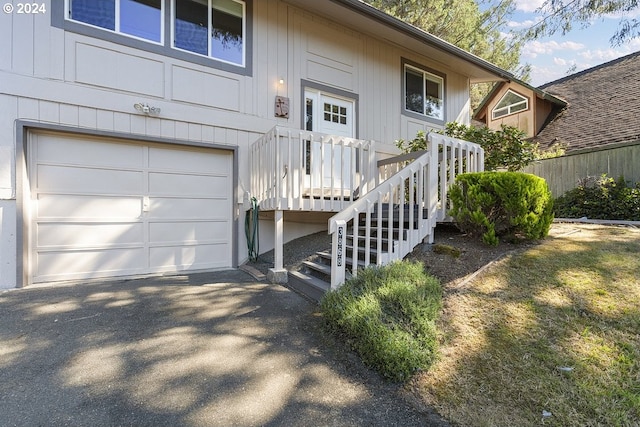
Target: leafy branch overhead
pixel 561 15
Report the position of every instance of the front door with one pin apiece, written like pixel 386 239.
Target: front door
pixel 332 115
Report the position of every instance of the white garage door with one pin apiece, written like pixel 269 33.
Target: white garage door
pixel 105 208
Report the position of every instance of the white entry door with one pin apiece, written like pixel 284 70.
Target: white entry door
pixel 105 208
pixel 332 115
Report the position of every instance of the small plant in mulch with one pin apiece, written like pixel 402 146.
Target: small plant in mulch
pixel 442 249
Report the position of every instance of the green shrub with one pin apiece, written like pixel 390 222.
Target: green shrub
pixel 601 198
pixel 387 315
pixel 495 204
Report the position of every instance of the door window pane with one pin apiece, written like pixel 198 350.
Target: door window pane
pixel 141 18
pixel 101 13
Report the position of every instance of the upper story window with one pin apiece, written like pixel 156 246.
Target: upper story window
pixel 510 103
pixel 214 33
pixel 137 18
pixel 212 28
pixel 423 92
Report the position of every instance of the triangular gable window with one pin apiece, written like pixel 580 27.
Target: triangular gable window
pixel 510 103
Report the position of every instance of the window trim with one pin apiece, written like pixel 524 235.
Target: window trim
pixel 508 108
pixel 425 70
pixel 165 48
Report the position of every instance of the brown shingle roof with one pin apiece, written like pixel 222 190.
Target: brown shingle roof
pixel 603 106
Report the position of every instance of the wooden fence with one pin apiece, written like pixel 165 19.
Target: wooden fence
pixel 563 173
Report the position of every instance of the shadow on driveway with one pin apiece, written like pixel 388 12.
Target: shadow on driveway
pixel 199 350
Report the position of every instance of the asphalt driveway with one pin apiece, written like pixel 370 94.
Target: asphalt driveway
pixel 199 350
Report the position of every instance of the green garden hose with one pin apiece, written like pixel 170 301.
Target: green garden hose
pixel 251 230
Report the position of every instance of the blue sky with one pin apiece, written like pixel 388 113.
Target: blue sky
pixel 553 57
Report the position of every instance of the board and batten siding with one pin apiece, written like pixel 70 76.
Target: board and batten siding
pixel 339 57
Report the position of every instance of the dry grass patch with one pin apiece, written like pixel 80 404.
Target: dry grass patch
pixel 549 335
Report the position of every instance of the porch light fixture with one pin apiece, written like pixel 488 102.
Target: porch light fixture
pixel 146 109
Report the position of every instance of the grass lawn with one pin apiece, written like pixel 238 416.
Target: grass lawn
pixel 547 336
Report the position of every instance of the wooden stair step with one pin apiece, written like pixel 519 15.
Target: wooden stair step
pixel 374 249
pixel 310 286
pixel 320 268
pixel 326 257
pixel 385 234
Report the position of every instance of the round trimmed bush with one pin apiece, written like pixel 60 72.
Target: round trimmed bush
pixel 495 204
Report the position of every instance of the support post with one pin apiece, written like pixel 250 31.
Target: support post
pixel 278 274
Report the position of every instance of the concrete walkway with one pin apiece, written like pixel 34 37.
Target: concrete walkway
pixel 215 349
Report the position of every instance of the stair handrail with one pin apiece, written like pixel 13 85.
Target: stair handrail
pixel 337 224
pixel 435 170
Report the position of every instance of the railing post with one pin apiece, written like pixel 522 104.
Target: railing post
pixel 432 184
pixel 373 178
pixel 338 247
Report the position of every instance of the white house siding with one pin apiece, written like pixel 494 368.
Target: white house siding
pixel 51 76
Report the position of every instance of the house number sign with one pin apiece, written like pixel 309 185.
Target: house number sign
pixel 339 249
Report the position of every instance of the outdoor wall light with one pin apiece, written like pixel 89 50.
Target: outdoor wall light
pixel 146 109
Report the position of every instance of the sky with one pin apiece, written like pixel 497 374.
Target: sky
pixel 554 57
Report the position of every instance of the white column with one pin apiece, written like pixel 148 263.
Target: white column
pixel 278 274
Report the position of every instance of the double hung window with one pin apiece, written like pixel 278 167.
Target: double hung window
pixel 423 93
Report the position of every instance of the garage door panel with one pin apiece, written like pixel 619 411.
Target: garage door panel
pixel 189 232
pixel 87 152
pixel 86 180
pixel 53 206
pixel 191 185
pixel 190 161
pixel 174 208
pixel 177 258
pixel 65 235
pixel 87 264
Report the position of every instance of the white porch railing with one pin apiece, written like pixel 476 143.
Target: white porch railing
pixel 402 210
pixel 301 170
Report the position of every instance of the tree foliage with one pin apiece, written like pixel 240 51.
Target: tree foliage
pixel 464 24
pixel 506 148
pixel 561 15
